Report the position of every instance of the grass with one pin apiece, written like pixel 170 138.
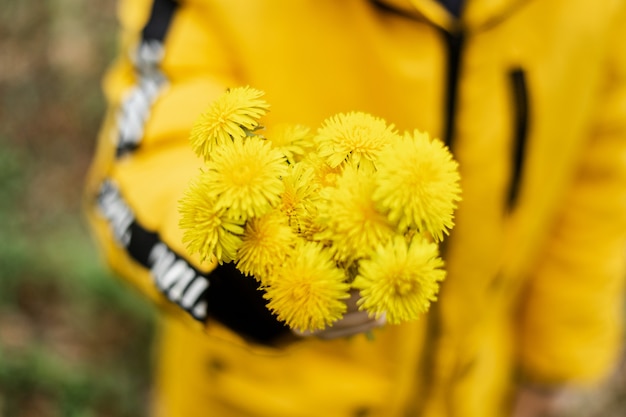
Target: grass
pixel 74 341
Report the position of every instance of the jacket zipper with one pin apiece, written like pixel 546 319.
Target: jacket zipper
pixel 454 42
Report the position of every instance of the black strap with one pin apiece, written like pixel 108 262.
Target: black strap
pixel 237 302
pixel 225 295
pixel 159 20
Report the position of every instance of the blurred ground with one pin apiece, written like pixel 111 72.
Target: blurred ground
pixel 74 342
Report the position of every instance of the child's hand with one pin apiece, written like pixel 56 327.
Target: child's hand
pixel 353 322
pixel 537 402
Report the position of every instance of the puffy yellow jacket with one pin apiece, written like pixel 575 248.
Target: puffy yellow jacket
pixel 531 97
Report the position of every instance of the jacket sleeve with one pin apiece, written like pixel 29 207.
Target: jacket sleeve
pixel 172 64
pixel 571 322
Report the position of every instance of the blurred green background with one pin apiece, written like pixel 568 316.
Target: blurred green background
pixel 75 341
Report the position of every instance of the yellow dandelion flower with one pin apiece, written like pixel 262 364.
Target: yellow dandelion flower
pixel 294 141
pixel 299 198
pixel 266 242
pixel 350 218
pixel 354 136
pixel 307 291
pixel 418 184
pixel 323 174
pixel 208 231
pixel 400 280
pixel 234 114
pixel 245 177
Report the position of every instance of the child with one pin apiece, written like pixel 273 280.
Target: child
pixel 530 97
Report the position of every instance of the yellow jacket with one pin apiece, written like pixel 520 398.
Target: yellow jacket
pixel 531 97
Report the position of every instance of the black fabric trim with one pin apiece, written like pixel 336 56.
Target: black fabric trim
pixel 385 7
pixel 454 42
pixel 521 120
pixel 237 302
pixel 135 108
pixel 233 299
pixel 141 243
pixel 159 20
pixel 230 297
pixel 455 7
pixel 124 149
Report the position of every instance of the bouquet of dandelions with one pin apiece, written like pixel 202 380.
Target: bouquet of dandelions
pixel 312 215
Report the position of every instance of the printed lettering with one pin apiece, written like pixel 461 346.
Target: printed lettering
pixel 162 260
pixel 200 310
pixel 135 108
pixel 172 274
pixel 186 276
pixel 115 210
pixel 193 293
